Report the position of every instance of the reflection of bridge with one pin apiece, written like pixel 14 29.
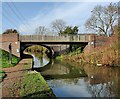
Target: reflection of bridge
pixel 56 70
pixel 54 43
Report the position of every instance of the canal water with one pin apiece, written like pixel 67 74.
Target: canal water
pixel 78 81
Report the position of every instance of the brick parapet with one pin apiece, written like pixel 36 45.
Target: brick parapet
pixel 13 38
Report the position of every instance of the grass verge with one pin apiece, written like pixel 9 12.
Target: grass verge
pixel 5 61
pixel 33 84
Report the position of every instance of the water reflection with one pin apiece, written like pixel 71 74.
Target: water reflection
pixel 69 87
pixel 56 70
pixel 105 81
pixel 40 60
pixel 74 81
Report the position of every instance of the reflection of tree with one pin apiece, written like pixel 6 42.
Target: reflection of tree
pixel 104 82
pixel 99 90
pixel 41 59
pixel 63 82
pixel 115 85
pixel 73 70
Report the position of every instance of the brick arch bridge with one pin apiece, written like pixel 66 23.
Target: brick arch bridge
pixel 56 43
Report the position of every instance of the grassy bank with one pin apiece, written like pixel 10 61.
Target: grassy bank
pixel 34 85
pixel 25 83
pixel 4 62
pixel 5 59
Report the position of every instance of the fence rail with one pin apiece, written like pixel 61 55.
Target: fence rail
pixel 63 38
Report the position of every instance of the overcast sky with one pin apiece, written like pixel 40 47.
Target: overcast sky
pixel 26 16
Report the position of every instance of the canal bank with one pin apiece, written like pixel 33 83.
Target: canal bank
pixel 105 52
pixel 21 81
pixel 71 79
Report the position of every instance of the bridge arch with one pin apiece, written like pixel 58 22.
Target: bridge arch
pixel 25 45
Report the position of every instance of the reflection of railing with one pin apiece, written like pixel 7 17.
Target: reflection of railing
pixel 61 38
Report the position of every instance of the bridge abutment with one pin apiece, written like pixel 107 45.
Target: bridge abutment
pixel 12 38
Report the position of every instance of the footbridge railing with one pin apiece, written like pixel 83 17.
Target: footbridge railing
pixel 61 38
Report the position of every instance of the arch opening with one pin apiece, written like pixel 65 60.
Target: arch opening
pixel 49 52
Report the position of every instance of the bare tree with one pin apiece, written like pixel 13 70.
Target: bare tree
pixel 103 19
pixel 40 30
pixel 58 25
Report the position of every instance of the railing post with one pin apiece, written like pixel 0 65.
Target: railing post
pixel 85 38
pixel 31 38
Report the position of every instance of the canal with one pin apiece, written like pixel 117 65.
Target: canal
pixel 67 80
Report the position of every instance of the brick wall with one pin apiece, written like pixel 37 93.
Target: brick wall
pixel 98 41
pixel 6 39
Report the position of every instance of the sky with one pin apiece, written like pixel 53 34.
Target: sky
pixel 27 16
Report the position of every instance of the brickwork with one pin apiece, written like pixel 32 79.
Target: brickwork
pixel 100 40
pixel 96 41
pixel 12 38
